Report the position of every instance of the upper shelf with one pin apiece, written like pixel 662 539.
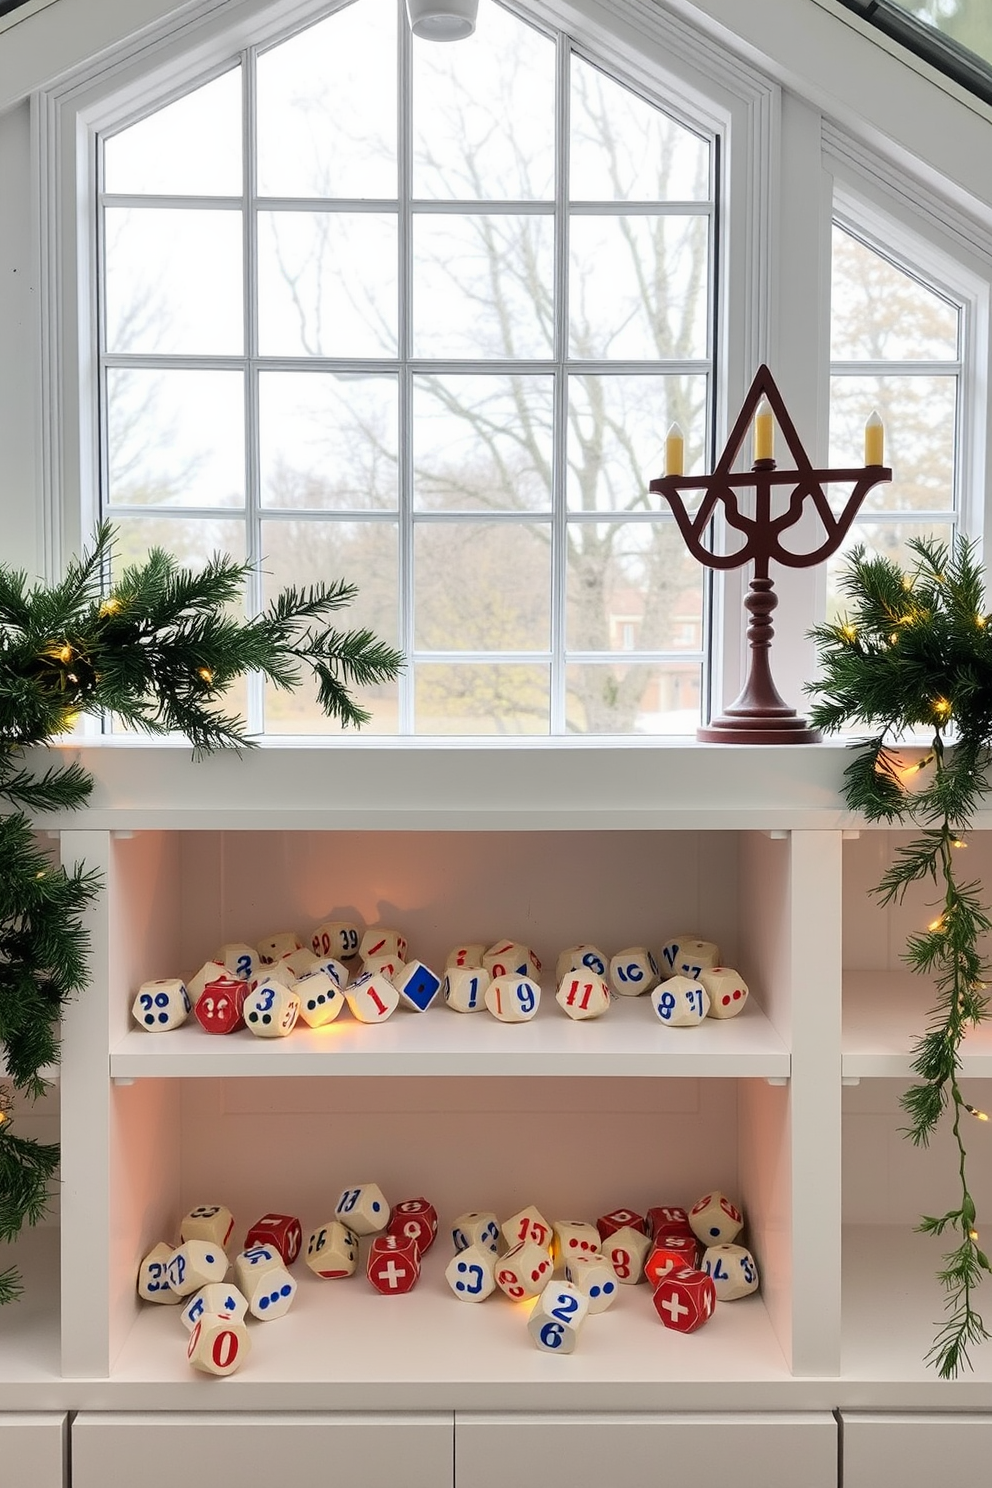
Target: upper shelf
pixel 465 785
pixel 628 1041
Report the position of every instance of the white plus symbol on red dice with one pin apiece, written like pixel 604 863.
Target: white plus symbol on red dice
pixel 674 1308
pixel 392 1273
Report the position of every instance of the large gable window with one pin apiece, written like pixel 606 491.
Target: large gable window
pixel 420 316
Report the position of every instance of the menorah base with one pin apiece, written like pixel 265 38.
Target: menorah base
pixel 750 726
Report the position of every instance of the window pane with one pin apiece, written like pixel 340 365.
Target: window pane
pixel 174 281
pixel 482 586
pixel 326 115
pixel 616 437
pixel 623 149
pixel 327 284
pixel 919 418
pixel 482 442
pixel 175 437
pixel 638 287
pixel 877 311
pixel 632 586
pixel 483 113
pixel 483 286
pixel 883 540
pixel 471 698
pixel 189 148
pixel 365 553
pixel 328 441
pixel 649 698
pixel 190 540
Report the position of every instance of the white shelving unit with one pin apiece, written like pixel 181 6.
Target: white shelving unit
pixel 550 844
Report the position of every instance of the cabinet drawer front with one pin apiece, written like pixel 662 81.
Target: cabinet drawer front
pixel 709 1451
pixel 261 1451
pixel 32 1451
pixel 915 1450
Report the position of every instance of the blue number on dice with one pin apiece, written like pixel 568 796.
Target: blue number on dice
pixel 475 1273
pixel 157 1280
pixel 671 954
pixel 593 962
pixel 268 998
pixel 490 1236
pixel 525 997
pixel 666 1005
pixel 177 1265
pixel 350 939
pixel 748 1269
pixel 347 1201
pixel 257 1254
pixel 694 998
pixel 691 971
pixel 473 992
pixel 565 1307
pixel 461 1240
pixel 717 1272
pixel 552 1335
pixel 195 1310
pixel 243 969
pixel 630 973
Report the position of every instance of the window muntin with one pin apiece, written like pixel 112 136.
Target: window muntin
pixel 896 344
pixel 448 367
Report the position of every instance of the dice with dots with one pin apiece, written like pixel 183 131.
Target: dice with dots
pixel 478 1227
pixel 161 1005
pixel 595 1278
pixel 732 1270
pixel 283 1232
pixel 633 971
pixel 252 1262
pixel 216 1297
pixel 363 1208
pixel 195 1263
pixel 153 1275
pixel 715 1220
pixel 529 1224
pixel 213 1222
pixel 524 1271
pixel 417 985
pixel 321 998
pixel 464 989
pixel 332 1250
pixel 471 1273
pixel 271 1010
pixel 220 1006
pixel 338 938
pixel 557 1316
pixel 573 1237
pixel 270 1293
pixel 727 991
pixel 626 1250
pixel 218 1344
pixel 680 1002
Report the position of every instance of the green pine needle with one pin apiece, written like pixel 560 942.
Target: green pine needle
pixel 915 652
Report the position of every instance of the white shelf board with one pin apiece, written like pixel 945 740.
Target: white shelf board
pixel 30 1345
pixel 892 1310
pixel 342 1346
pixel 885 1012
pixel 627 1040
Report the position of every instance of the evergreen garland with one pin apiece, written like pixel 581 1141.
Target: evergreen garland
pixel 915 652
pixel 158 649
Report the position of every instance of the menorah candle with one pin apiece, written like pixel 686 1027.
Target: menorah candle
pixel 764 431
pixel 874 439
pixel 674 451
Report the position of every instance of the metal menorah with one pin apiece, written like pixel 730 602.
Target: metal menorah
pixel 759 715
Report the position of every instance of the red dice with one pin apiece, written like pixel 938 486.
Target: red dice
pixel 608 1224
pixel 218 1007
pixel 416 1220
pixel 281 1231
pixel 671 1253
pixel 684 1300
pixel 393 1264
pixel 668 1219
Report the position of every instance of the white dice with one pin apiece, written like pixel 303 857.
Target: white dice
pixel 471 1273
pixel 633 971
pixel 527 1225
pixel 153 1275
pixel 727 991
pixel 687 955
pixel 271 1010
pixel 466 955
pixel 363 1208
pixel 339 938
pixel 195 1263
pixel 524 1271
pixel 479 1227
pixel 680 1002
pixel 240 960
pixel 465 988
pixel 583 995
pixel 557 1317
pixel 332 1250
pixel 513 999
pixel 161 1005
pixel 572 1238
pixel 215 1297
pixel 626 1250
pixel 270 1293
pixel 595 1278
pixel 321 998
pixel 208 972
pixel 732 1271
pixel 510 958
pixel 274 947
pixel 252 1262
pixel 715 1220
pixel 372 998
pixel 218 1344
pixel 380 942
pixel 213 1222
pixel 582 958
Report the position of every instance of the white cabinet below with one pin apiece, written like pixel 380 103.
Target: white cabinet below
pixel 33 1450
pixel 915 1450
